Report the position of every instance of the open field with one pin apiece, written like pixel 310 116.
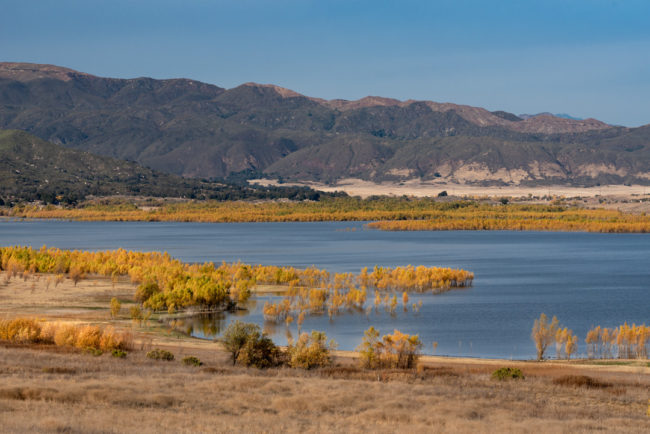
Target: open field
pixel 50 390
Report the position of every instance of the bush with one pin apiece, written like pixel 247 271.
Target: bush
pixel 159 354
pixel 112 340
pixel 310 351
pixel 249 346
pixel 581 381
pixel 192 361
pixel 88 337
pixel 236 336
pixel 66 335
pixel 507 373
pixel 136 314
pixel 93 351
pixel 398 350
pixel 22 330
pixel 119 354
pixel 260 352
pixel 369 349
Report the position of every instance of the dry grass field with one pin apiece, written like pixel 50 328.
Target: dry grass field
pixel 54 389
pixel 48 390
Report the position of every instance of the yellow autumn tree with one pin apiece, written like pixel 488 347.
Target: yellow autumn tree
pixel 543 334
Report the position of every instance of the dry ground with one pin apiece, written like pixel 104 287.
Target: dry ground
pixel 49 389
pixel 419 188
pixel 45 391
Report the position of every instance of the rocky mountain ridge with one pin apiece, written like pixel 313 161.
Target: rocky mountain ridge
pixel 195 129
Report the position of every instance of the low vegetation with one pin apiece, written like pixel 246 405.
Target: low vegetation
pixel 581 381
pixel 192 361
pixel 396 351
pixel 506 373
pixel 29 330
pixel 119 354
pixel 392 214
pixel 159 354
pixel 513 217
pixel 310 351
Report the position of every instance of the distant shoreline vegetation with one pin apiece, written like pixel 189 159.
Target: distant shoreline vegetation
pixel 386 213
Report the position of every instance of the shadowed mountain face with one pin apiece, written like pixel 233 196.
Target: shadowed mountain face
pixel 200 130
pixel 31 168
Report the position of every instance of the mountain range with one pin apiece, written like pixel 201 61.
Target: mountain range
pixel 33 169
pixel 193 129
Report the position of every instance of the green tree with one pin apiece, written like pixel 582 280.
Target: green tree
pixel 236 336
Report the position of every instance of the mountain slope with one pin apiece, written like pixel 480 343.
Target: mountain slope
pixel 199 130
pixel 31 168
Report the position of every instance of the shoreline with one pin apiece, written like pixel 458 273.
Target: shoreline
pixel 88 302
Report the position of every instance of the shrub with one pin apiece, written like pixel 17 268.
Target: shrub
pixel 235 337
pixel 507 374
pixel 398 350
pixel 112 340
pixel 310 351
pixel 369 349
pixel 76 274
pixel 260 352
pixel 581 381
pixel 88 337
pixel 192 361
pixel 119 354
pixel 115 307
pixel 48 331
pixel 249 346
pixel 23 330
pixel 136 314
pixel 93 351
pixel 66 335
pixel 159 354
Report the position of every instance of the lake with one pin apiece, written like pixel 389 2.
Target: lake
pixel 585 279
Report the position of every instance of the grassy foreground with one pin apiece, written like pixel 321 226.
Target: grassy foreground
pixel 57 390
pixel 390 214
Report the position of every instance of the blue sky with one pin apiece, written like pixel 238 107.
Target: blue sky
pixel 589 58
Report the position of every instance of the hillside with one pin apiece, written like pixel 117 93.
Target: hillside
pixel 32 169
pixel 199 130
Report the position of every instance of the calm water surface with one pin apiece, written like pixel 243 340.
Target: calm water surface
pixel 585 279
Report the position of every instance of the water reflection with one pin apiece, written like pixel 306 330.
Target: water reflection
pixel 585 279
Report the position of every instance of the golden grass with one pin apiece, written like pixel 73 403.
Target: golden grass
pixel 31 331
pixel 391 214
pixel 48 391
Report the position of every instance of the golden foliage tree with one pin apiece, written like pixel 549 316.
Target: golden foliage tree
pixel 543 334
